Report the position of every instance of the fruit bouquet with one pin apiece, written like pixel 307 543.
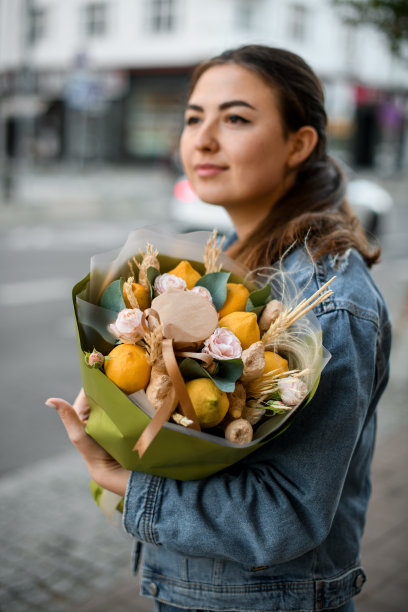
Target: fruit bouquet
pixel 189 363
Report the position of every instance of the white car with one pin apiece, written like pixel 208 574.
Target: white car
pixel 370 202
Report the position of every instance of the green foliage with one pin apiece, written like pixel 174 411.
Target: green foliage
pixel 216 283
pixel 225 375
pixel 112 297
pixel 258 298
pixel 389 16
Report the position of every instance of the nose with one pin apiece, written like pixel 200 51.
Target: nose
pixel 206 138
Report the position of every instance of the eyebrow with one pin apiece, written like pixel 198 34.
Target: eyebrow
pixel 222 106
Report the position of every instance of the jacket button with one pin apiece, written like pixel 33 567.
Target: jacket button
pixel 153 588
pixel 359 581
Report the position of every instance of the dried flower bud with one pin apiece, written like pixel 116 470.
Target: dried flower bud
pixel 253 359
pixel 203 292
pixel 94 359
pixel 223 344
pixel 166 281
pixel 270 313
pixel 128 326
pixel 292 390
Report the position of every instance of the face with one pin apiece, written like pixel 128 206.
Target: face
pixel 233 147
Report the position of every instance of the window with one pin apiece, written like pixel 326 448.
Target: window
pixel 37 24
pixel 161 15
pixel 298 22
pixel 95 19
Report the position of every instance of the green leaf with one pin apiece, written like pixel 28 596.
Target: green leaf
pixel 151 274
pixel 225 375
pixel 258 298
pixel 112 297
pixel 216 283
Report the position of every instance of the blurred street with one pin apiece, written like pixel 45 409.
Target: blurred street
pixel 57 550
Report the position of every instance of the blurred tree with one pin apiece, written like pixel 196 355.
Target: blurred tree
pixel 389 16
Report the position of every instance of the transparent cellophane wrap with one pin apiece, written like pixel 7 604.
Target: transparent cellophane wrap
pixel 117 420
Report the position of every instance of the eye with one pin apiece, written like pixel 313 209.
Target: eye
pixel 237 119
pixel 192 120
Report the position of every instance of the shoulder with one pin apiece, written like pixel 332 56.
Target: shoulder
pixel 354 290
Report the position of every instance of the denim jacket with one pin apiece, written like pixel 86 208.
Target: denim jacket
pixel 281 529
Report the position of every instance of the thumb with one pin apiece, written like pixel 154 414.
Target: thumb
pixel 75 429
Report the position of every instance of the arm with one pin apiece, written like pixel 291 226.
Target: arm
pixel 280 501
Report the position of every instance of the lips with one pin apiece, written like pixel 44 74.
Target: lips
pixel 209 169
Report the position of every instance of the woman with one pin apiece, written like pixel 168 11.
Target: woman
pixel 281 529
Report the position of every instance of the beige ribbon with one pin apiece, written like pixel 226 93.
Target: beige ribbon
pixel 164 412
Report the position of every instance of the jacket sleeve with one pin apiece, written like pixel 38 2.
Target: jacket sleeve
pixel 280 501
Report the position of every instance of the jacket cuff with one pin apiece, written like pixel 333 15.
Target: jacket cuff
pixel 141 502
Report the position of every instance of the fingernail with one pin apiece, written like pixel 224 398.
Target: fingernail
pixel 50 404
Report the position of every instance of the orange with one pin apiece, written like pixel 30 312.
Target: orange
pixel 237 297
pixel 186 271
pixel 141 294
pixel 128 367
pixel 273 361
pixel 244 325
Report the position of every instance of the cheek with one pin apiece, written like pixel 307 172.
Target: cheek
pixel 184 150
pixel 260 161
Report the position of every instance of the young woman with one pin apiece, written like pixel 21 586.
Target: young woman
pixel 281 529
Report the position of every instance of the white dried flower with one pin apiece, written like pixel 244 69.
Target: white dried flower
pixel 292 390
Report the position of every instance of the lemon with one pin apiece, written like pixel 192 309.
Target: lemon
pixel 141 294
pixel 128 367
pixel 273 361
pixel 244 325
pixel 186 271
pixel 209 402
pixel 237 297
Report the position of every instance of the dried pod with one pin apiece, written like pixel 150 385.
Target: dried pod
pixel 270 313
pixel 160 389
pixel 253 415
pixel 253 359
pixel 181 420
pixel 239 431
pixel 237 401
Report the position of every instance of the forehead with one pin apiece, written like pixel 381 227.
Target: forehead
pixel 232 82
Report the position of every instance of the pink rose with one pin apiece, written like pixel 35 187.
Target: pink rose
pixel 223 344
pixel 128 326
pixel 292 390
pixel 203 292
pixel 95 359
pixel 166 281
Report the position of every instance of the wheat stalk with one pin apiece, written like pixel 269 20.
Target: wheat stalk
pixel 153 340
pixel 290 316
pixel 212 253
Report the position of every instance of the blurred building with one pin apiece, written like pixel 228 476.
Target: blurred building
pixel 106 80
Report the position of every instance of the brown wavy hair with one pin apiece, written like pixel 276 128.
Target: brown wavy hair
pixel 314 208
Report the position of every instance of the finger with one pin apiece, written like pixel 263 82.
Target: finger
pixel 69 417
pixel 81 407
pixel 89 449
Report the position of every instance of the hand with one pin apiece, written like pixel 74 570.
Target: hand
pixel 103 468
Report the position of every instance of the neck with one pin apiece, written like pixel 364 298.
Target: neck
pixel 247 217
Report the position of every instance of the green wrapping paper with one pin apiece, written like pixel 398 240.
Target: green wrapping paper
pixel 116 421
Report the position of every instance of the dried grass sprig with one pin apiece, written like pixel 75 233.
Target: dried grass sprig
pixel 286 318
pixel 212 253
pixel 153 340
pixel 149 260
pixel 132 299
pixel 267 384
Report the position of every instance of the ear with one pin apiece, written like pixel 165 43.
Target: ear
pixel 303 143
